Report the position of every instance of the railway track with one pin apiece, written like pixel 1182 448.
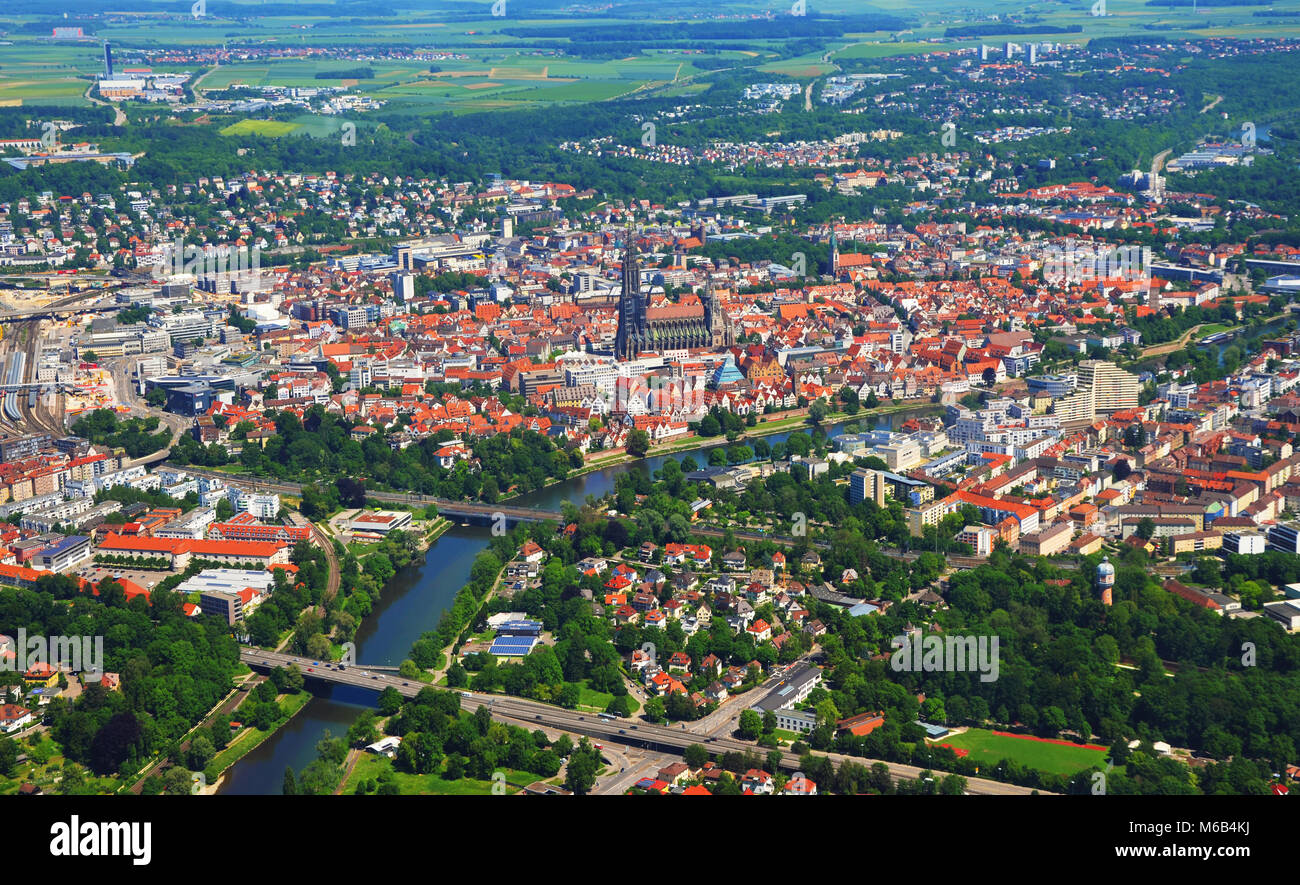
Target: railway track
pixel 32 413
pixel 25 413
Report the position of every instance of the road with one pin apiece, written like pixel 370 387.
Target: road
pixel 1169 346
pixel 124 392
pixel 119 117
pixel 1158 163
pixel 533 714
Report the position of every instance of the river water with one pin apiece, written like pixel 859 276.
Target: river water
pixel 1248 339
pixel 412 603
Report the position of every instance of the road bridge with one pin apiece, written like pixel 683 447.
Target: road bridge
pixel 55 312
pixel 534 714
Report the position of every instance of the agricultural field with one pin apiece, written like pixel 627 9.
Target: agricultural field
pixel 499 71
pixel 57 75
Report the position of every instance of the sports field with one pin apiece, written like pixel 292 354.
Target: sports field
pixel 989 748
pixel 272 128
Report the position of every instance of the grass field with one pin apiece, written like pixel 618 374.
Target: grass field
pixel 987 748
pixel 370 767
pixel 250 737
pixel 272 128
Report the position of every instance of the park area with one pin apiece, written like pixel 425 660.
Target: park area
pixel 1051 756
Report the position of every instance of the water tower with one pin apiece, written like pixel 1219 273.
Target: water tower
pixel 1105 580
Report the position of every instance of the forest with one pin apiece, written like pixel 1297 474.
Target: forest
pixel 173 669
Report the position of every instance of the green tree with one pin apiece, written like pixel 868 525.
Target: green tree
pixel 389 702
pixel 654 710
pixel 638 443
pixel 580 775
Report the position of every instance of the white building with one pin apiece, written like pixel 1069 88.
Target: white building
pixel 261 506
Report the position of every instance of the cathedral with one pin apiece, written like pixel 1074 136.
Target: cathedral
pixel 674 327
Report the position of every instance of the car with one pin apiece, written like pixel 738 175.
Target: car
pixel 311 670
pixel 538 716
pixel 622 731
pixel 406 683
pixel 316 663
pixel 582 718
pixel 375 676
pixel 466 694
pixel 634 726
pixel 598 746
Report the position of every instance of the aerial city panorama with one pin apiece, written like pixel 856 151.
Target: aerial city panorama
pixel 560 398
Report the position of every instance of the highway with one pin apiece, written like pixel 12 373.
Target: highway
pixel 533 714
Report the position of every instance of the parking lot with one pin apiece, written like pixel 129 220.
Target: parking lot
pixel 96 573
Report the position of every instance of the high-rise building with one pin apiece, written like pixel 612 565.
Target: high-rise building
pixel 108 61
pixel 868 484
pixel 403 286
pixel 1112 387
pixel 1076 407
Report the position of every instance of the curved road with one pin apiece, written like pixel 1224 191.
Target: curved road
pixel 534 714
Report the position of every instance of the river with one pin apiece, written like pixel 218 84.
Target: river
pixel 412 603
pixel 1247 339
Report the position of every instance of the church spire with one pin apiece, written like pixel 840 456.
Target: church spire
pixel 835 253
